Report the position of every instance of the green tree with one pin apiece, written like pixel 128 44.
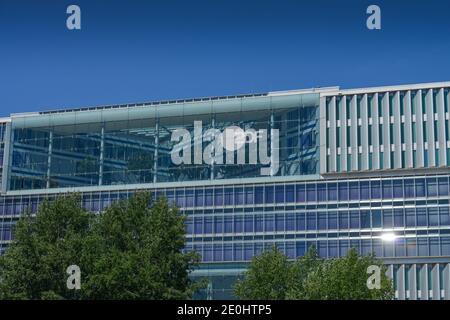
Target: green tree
pixel 34 265
pixel 268 277
pixel 302 268
pixel 346 279
pixel 272 276
pixel 133 250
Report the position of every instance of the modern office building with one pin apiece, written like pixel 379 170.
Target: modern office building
pixel 366 168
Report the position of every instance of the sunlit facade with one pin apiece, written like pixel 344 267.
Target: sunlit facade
pixel 365 168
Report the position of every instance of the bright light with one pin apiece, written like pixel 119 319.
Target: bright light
pixel 388 237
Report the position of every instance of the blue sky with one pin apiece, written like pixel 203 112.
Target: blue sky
pixel 135 51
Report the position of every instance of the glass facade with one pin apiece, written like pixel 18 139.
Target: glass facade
pixel 135 149
pixel 353 167
pixel 235 222
pixel 411 125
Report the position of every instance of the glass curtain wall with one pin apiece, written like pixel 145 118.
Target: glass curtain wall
pixel 132 150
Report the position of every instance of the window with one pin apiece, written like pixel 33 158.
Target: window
pixel 269 194
pixel 398 189
pixel 380 134
pixel 279 222
pixel 238 224
pixel 259 223
pixel 208 227
pixel 365 219
pixel 332 220
pixel 218 197
pixel 301 222
pixel 434 247
pixel 387 189
pixel 443 187
pixel 421 217
pixel 209 197
pixel 366 247
pixel 444 216
pixel 354 191
pixel 343 191
pixel 402 103
pixel 332 192
pixel 311 221
pixel 228 252
pixel 377 247
pixel 411 247
pixel 376 219
pixel 343 220
pixel 239 196
pixel 322 220
pixel 399 220
pixel 431 187
pixel 380 104
pixel 391 104
pixel 433 216
pixel 424 129
pixel 199 198
pixel 311 192
pixel 321 192
pixel 189 226
pixel 388 248
pixel 218 224
pixel 259 195
pixel 356 244
pixel 238 252
pixel 228 197
pixel 300 248
pixel 375 189
pixel 198 225
pixel 409 188
pixel 400 247
pixel 290 222
pixel 410 217
pixel 279 194
pixel 420 187
pixel 269 223
pixel 354 220
pixel 364 190
pixel 300 191
pixel 228 224
pixel 290 250
pixel 248 224
pixel 290 196
pixel 388 221
pixel 445 245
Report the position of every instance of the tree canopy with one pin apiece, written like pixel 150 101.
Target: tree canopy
pixel 132 250
pixel 271 276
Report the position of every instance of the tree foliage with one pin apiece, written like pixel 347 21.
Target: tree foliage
pixel 272 276
pixel 133 250
pixel 268 277
pixel 344 279
pixel 34 265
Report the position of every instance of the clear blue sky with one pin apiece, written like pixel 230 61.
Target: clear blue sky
pixel 134 51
